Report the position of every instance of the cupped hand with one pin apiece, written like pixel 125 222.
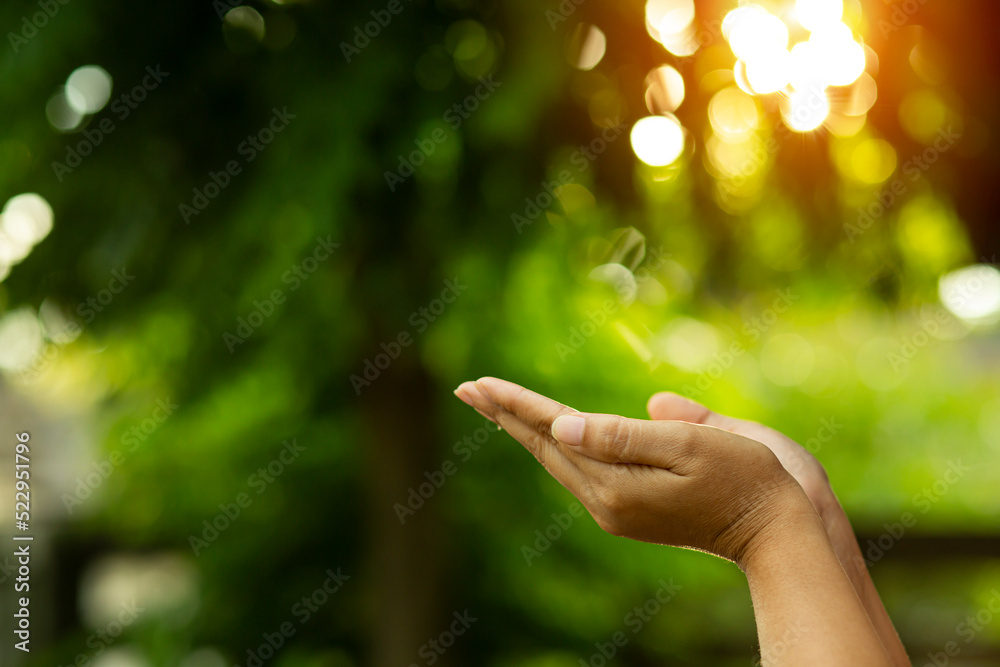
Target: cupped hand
pixel 668 482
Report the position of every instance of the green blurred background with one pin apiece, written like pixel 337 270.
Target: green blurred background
pixel 212 323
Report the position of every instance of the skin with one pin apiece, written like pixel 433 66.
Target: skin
pixel 694 479
pixel 811 476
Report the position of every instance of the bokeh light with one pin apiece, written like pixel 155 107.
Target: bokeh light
pixel 861 98
pixel 619 278
pixel 734 115
pixel 34 211
pixel 930 234
pixel 841 59
pixel 830 57
pixel 664 90
pixel 807 66
pixel 668 19
pixel 121 656
pixel 587 46
pixel 870 161
pixel 842 125
pixel 769 72
pixel 163 583
pixel 816 15
pixel 922 114
pixel 475 52
pixel 806 110
pixel 672 24
pixel 60 114
pixel 12 250
pixel 25 221
pixel 658 140
pixel 20 339
pixel 88 89
pixel 730 160
pixel 972 294
pixel 754 32
pixel 689 344
pixel 740 77
pixel 466 39
pixel 243 28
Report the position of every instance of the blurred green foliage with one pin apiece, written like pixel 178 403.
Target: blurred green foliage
pixel 702 320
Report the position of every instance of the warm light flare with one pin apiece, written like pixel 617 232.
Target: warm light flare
pixel 672 24
pixel 806 110
pixel 658 140
pixel 587 47
pixel 830 57
pixel 841 59
pixel 770 72
pixel 669 17
pixel 806 67
pixel 664 90
pixel 818 14
pixel 733 114
pixel 753 32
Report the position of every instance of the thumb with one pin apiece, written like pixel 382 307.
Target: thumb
pixel 667 405
pixel 615 439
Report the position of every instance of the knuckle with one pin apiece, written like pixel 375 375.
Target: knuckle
pixel 614 500
pixel 689 440
pixel 608 498
pixel 617 435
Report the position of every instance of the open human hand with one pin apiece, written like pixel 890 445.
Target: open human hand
pixel 668 482
pixel 697 479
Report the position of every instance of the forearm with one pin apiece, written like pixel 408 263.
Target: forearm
pixel 845 545
pixel 806 607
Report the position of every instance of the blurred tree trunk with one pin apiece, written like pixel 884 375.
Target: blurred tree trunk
pixel 403 575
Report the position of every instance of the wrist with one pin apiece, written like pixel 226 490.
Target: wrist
pixel 792 525
pixel 841 533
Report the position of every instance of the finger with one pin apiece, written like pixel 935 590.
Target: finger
pixel 667 405
pixel 531 416
pixel 614 439
pixel 533 409
pixel 519 413
pixel 467 393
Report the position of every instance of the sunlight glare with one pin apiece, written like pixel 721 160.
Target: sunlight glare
pixel 817 14
pixel 658 140
pixel 754 33
pixel 806 110
pixel 769 72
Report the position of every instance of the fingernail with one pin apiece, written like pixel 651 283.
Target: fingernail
pixel 470 394
pixel 463 395
pixel 568 429
pixel 483 391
